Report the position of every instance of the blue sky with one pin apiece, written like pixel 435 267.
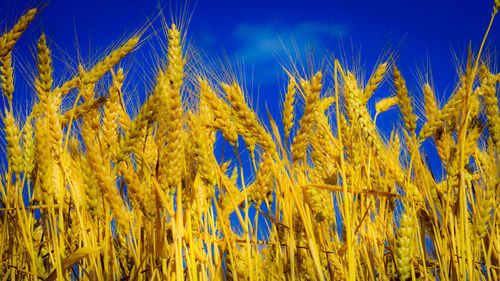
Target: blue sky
pixel 256 33
pixel 419 31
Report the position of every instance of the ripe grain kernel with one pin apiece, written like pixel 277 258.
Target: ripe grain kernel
pixel 312 91
pixel 288 107
pixel 374 82
pixel 385 104
pixel 405 103
pixel 249 126
pixel 8 39
pixel 14 151
pixel 404 250
pixel 173 163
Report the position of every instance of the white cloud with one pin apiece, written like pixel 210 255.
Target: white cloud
pixel 260 43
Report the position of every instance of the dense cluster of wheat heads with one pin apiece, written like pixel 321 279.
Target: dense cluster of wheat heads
pixel 92 192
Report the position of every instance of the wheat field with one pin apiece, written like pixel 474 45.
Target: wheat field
pixel 92 190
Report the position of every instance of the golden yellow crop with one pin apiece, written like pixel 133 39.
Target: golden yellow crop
pixel 91 192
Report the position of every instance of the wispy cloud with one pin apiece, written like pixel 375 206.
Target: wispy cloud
pixel 260 43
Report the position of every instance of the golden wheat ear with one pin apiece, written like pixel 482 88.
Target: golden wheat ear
pixel 10 38
pixel 7 41
pixel 311 90
pixel 288 108
pixel 405 102
pixel 102 67
pixel 374 82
